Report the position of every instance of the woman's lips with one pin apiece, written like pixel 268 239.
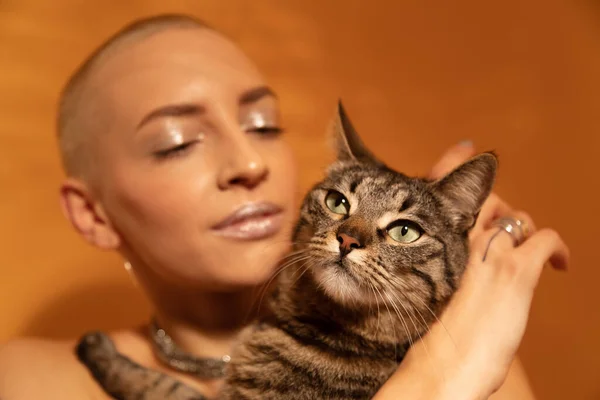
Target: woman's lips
pixel 252 221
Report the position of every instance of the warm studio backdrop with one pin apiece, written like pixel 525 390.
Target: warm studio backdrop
pixel 520 77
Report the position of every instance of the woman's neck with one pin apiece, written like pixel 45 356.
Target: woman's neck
pixel 206 324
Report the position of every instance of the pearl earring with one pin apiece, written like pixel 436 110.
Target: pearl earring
pixel 129 269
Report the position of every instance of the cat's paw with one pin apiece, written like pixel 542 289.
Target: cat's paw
pixel 94 346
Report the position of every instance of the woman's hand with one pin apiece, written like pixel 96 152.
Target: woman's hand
pixel 467 354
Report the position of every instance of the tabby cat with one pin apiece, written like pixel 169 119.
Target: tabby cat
pixel 377 255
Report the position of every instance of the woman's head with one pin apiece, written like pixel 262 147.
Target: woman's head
pixel 165 132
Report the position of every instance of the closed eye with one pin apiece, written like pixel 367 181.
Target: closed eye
pixel 178 150
pixel 266 130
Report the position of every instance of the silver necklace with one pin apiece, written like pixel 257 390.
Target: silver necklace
pixel 169 353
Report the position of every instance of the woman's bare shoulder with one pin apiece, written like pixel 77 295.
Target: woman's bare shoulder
pixel 38 368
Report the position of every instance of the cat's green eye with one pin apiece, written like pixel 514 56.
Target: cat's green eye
pixel 404 231
pixel 337 203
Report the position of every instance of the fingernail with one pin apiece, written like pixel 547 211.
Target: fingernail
pixel 466 143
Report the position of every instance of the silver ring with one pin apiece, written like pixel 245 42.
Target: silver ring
pixel 518 229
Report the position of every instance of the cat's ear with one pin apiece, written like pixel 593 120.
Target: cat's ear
pixel 347 143
pixel 465 189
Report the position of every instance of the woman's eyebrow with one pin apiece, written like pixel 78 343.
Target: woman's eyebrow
pixel 172 110
pixel 255 94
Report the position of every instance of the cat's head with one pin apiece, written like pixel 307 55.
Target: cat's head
pixel 374 235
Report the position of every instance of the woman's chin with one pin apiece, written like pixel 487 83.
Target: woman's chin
pixel 238 276
pixel 228 268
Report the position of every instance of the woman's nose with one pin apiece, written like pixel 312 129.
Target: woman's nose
pixel 242 164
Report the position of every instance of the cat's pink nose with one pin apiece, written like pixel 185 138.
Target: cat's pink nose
pixel 347 243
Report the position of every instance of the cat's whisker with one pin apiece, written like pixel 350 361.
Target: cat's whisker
pixel 304 267
pixel 394 280
pixel 288 264
pixel 287 261
pixel 425 324
pixel 372 287
pixel 370 281
pixel 303 272
pixel 315 247
pixel 423 342
pixel 423 303
pixel 294 260
pixel 370 312
pixel 440 322
pixel 287 241
pixel 280 270
pixel 408 313
pixel 377 279
pixel 293 253
pixel 378 313
pixel 389 312
pixel 259 289
pixel 415 308
pixel 417 330
pixel 397 310
pixel 405 329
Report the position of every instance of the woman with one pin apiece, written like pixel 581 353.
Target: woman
pixel 171 143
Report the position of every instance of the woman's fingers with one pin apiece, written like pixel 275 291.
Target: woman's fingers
pixel 452 158
pixel 495 242
pixel 495 248
pixel 493 208
pixel 545 245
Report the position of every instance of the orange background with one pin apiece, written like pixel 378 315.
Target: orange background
pixel 520 77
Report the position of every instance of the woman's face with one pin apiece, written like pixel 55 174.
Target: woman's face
pixel 196 178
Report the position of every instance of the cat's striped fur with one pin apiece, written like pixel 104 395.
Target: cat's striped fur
pixel 124 379
pixel 341 321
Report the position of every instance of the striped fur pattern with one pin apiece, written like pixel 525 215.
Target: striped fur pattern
pixel 351 299
pixel 122 378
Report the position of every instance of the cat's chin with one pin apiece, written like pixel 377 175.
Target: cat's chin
pixel 342 286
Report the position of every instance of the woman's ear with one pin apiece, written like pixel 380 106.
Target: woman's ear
pixel 87 215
